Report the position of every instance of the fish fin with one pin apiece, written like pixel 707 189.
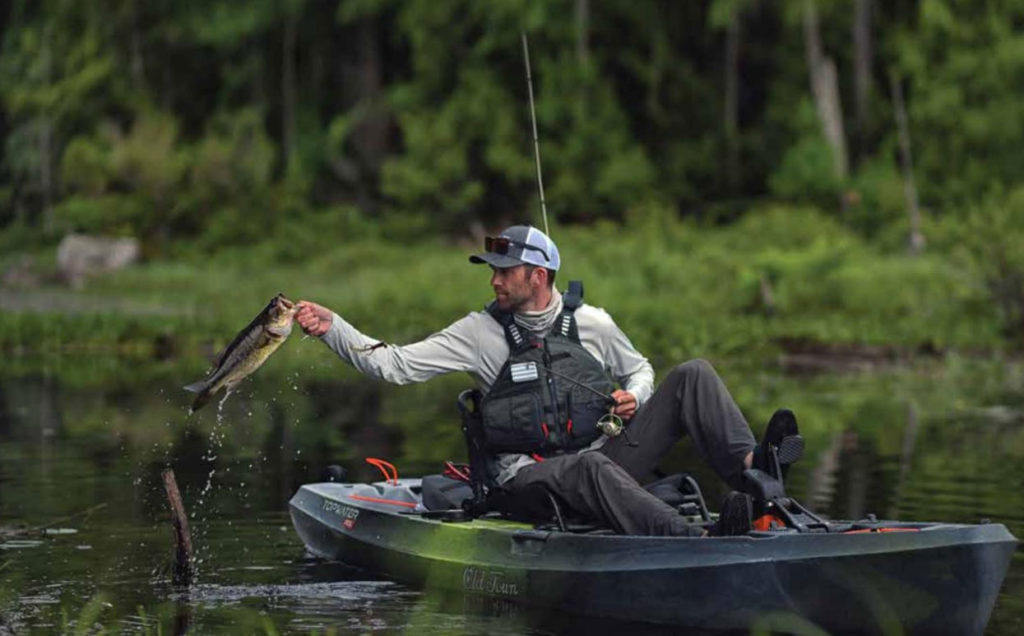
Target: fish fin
pixel 199 402
pixel 196 387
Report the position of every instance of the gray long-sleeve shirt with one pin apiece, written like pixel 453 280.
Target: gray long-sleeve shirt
pixel 476 344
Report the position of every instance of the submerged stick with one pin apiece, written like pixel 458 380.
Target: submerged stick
pixel 182 571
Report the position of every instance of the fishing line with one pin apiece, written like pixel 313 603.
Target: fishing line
pixel 536 141
pixel 610 423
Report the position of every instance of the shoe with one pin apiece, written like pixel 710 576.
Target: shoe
pixel 783 435
pixel 735 517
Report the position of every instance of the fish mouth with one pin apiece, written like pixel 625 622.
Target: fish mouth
pixel 282 309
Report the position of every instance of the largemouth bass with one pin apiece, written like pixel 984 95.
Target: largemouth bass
pixel 247 352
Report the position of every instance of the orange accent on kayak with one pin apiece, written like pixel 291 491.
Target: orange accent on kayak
pixel 383 467
pixel 393 502
pixel 871 530
pixel 768 522
pixel 536 457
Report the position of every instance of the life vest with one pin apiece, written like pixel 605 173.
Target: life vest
pixel 530 410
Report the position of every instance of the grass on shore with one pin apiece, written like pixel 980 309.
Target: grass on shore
pixel 679 291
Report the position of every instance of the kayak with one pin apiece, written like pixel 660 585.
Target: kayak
pixel 848 576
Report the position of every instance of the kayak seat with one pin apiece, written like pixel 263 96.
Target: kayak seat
pixel 535 504
pixel 682 492
pixel 441 492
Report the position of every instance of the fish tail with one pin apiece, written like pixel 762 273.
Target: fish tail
pixel 201 399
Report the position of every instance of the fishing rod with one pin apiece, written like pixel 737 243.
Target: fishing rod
pixel 536 141
pixel 609 400
pixel 610 424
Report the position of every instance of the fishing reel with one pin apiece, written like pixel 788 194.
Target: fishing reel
pixel 612 426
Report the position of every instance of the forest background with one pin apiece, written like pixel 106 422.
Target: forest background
pixel 728 176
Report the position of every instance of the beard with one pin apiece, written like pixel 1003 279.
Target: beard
pixel 511 300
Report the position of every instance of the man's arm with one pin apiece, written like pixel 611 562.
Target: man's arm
pixel 454 349
pixel 627 365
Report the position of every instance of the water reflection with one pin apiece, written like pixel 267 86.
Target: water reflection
pixel 937 443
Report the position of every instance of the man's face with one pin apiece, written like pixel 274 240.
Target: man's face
pixel 513 287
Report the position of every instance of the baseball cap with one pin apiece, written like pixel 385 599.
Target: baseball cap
pixel 519 245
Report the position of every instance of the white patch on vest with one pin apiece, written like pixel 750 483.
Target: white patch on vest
pixel 524 371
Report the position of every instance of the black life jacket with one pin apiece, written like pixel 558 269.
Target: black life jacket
pixel 530 410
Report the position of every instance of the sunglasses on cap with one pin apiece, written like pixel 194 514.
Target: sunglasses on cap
pixel 500 245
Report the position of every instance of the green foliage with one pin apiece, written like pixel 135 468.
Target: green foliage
pixel 806 171
pixel 963 62
pixel 876 203
pixel 110 214
pixel 992 236
pixel 280 130
pixel 131 183
pixel 234 159
pixel 687 290
pixel 56 67
pixel 193 111
pixel 98 169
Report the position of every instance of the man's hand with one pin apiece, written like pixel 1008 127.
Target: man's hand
pixel 625 404
pixel 314 319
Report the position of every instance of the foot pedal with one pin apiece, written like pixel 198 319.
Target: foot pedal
pixel 791 449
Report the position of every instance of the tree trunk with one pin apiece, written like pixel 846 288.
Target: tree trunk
pixel 288 97
pixel 258 90
pixel 825 89
pixel 46 139
pixel 370 136
pixel 137 61
pixel 862 55
pixel 916 240
pixel 732 86
pixel 583 32
pixel 46 170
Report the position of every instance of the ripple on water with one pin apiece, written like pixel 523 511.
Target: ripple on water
pixel 286 594
pixel 20 544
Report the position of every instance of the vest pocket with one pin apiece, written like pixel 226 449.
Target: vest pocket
pixel 513 423
pixel 584 411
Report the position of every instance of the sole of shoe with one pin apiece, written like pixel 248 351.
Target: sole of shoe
pixel 791 449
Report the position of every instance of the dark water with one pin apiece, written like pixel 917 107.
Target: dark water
pixel 85 537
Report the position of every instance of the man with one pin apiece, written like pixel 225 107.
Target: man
pixel 545 363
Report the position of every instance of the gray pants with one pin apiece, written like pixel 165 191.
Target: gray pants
pixel 604 484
